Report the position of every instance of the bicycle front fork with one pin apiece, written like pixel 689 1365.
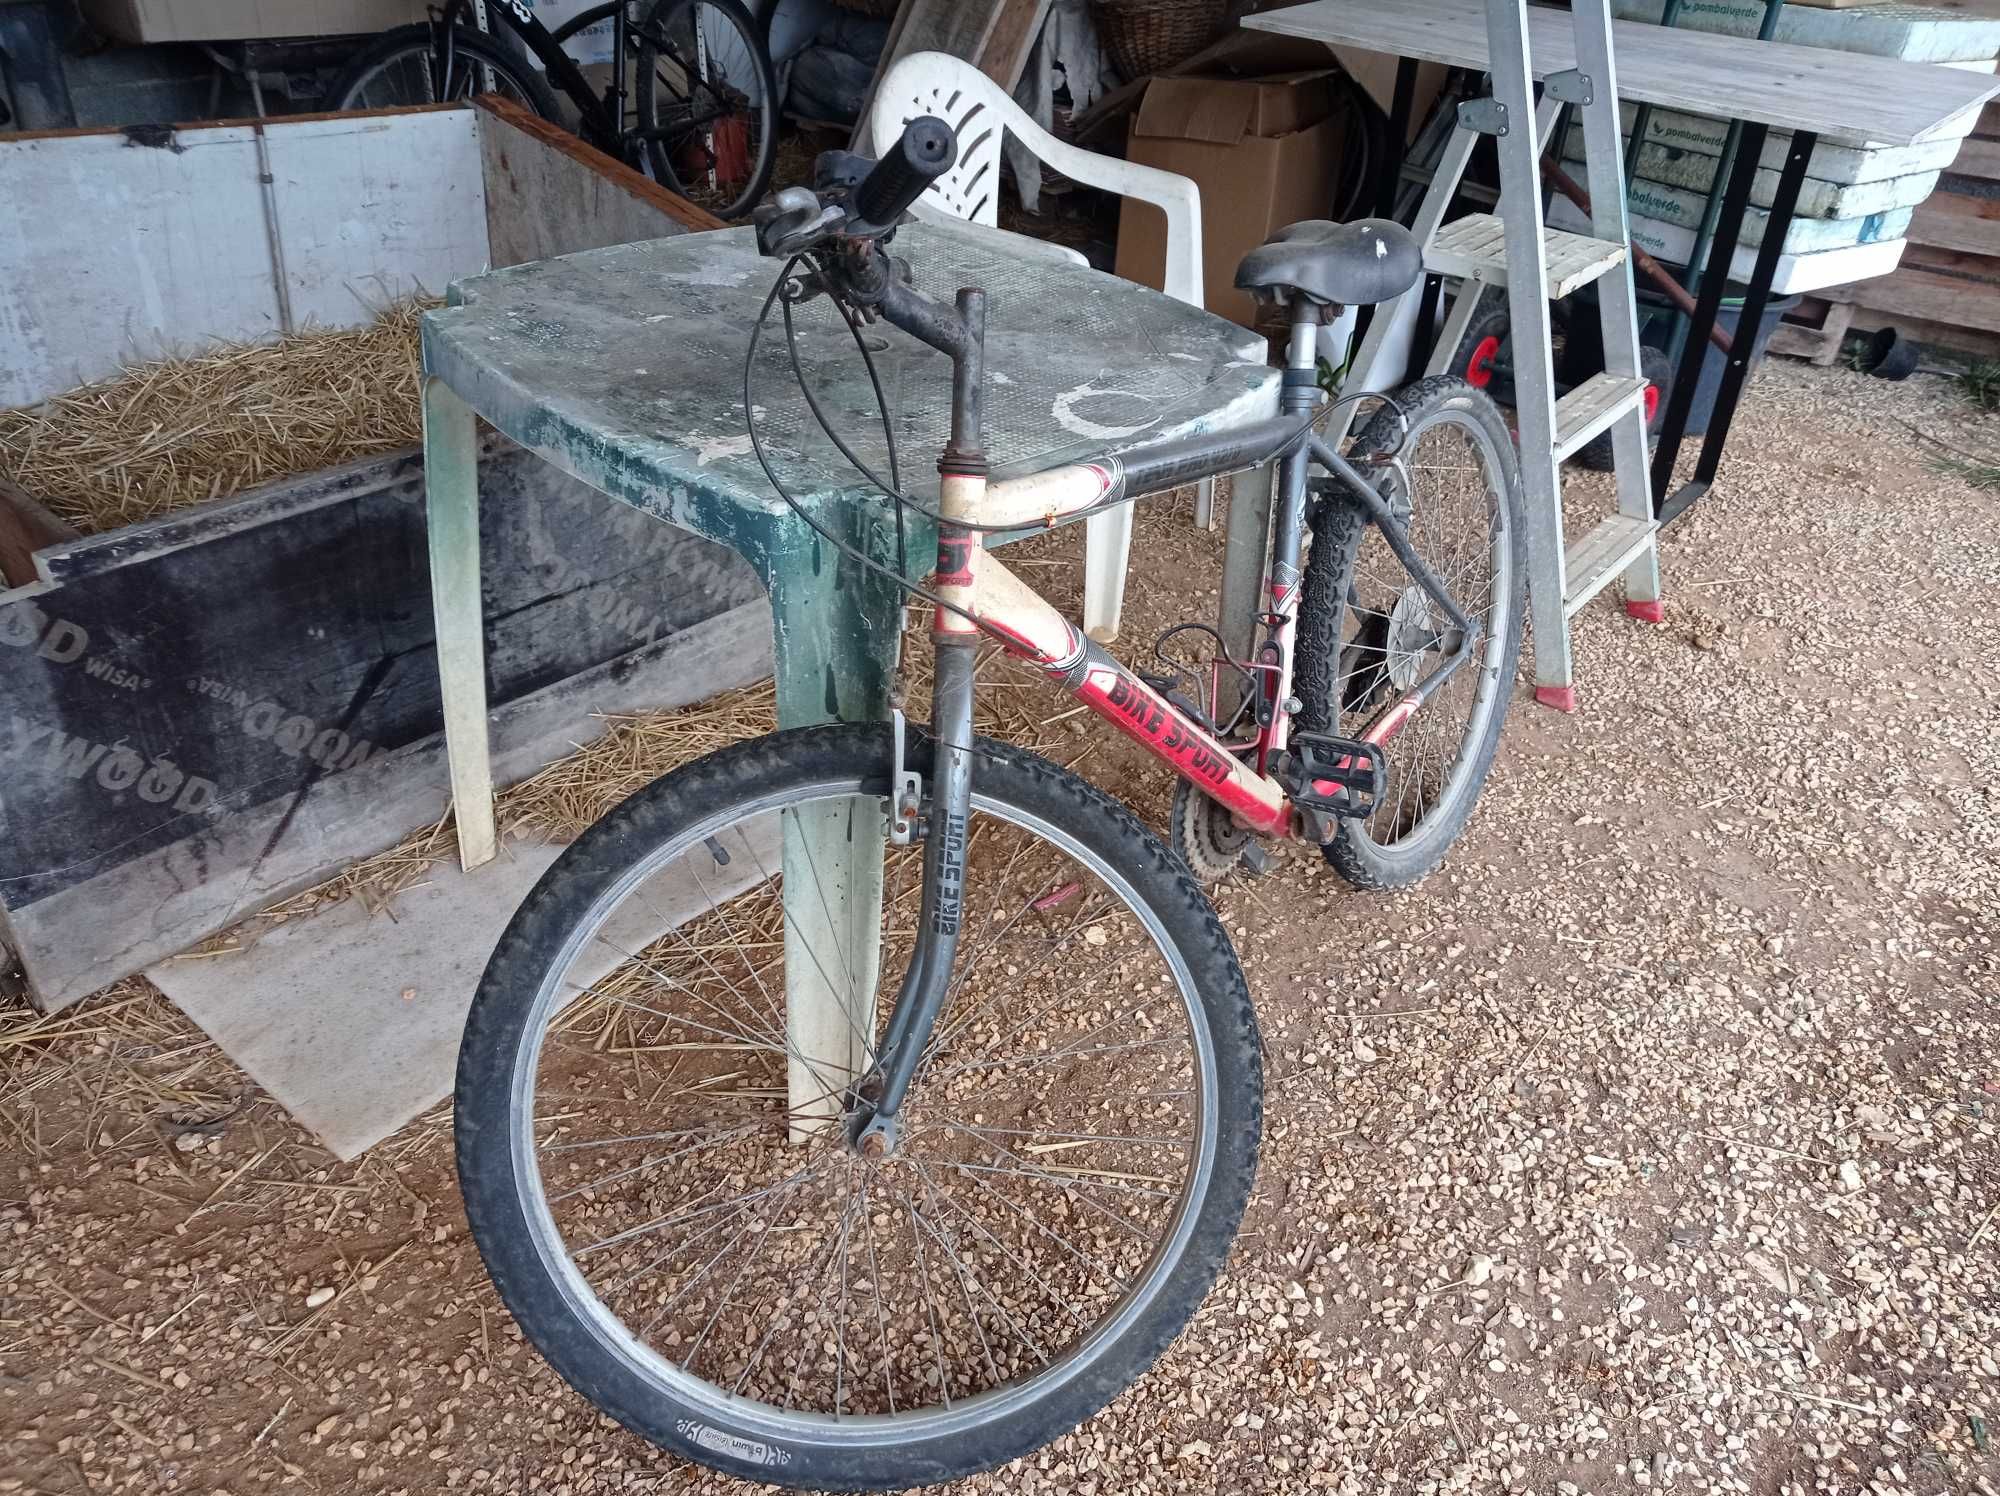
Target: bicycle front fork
pixel 954 640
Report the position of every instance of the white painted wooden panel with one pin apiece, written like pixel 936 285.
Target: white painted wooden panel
pixel 1836 94
pixel 112 252
pixel 1914 33
pixel 1671 243
pixel 370 209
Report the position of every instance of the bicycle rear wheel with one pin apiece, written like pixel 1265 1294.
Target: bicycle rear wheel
pixel 708 102
pixel 1367 632
pixel 403 67
pixel 1074 1153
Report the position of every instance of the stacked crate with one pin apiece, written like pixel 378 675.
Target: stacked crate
pixel 1881 234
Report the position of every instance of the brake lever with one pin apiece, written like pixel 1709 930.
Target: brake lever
pixel 794 221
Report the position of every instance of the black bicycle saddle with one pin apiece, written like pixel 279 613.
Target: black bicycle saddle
pixel 1346 264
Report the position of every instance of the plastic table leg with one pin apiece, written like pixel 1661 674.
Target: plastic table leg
pixel 836 628
pixel 451 486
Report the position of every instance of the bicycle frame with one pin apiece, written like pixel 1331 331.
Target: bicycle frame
pixel 978 596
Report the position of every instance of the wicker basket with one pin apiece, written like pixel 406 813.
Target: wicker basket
pixel 1143 37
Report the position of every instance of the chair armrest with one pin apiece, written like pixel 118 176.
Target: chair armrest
pixel 1021 244
pixel 1172 193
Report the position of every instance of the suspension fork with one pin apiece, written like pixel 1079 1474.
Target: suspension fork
pixel 954 640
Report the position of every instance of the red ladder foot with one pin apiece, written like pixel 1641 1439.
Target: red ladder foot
pixel 1652 612
pixel 1562 698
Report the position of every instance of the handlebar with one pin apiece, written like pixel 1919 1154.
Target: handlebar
pixel 924 152
pixel 850 205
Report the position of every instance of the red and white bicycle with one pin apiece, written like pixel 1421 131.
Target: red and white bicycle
pixel 1019 1165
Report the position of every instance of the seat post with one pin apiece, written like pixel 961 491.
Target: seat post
pixel 1301 387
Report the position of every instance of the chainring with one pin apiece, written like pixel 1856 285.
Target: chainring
pixel 1209 842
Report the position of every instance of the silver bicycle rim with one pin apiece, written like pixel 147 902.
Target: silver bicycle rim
pixel 712 61
pixel 1452 775
pixel 789 1427
pixel 408 79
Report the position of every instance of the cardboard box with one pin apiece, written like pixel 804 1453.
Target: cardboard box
pixel 245 20
pixel 1265 152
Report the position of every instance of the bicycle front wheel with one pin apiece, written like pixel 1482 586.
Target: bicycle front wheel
pixel 708 102
pixel 653 1160
pixel 1367 632
pixel 406 66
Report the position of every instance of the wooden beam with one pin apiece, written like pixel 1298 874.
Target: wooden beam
pixel 995 36
pixel 1916 291
pixel 1978 158
pixel 1963 340
pixel 25 527
pixel 1957 220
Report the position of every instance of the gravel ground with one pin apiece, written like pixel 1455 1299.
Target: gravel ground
pixel 1649 1144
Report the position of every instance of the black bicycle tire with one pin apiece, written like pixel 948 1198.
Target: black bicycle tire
pixel 583 20
pixel 491 50
pixel 760 54
pixel 495 1030
pixel 1337 529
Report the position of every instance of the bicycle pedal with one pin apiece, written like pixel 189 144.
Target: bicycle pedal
pixel 1343 777
pixel 1256 859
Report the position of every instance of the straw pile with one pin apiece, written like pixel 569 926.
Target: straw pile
pixel 180 431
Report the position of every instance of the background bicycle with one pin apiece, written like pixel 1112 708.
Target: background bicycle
pixel 688 95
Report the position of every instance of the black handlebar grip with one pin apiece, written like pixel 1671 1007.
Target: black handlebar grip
pixel 924 152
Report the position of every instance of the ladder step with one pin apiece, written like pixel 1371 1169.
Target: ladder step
pixel 1592 406
pixel 1475 248
pixel 1598 558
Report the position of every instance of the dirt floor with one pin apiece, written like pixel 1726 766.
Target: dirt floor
pixel 1649 1144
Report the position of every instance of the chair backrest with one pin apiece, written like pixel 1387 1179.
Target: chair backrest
pixel 982 115
pixel 978 112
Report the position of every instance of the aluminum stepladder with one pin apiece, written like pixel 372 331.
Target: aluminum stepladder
pixel 1515 249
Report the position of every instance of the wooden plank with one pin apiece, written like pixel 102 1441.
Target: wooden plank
pixel 1978 268
pixel 1914 291
pixel 1820 344
pixel 995 36
pixel 548 193
pixel 1962 340
pixel 1953 220
pixel 1011 39
pixel 25 527
pixel 73 132
pixel 1978 158
pixel 1839 95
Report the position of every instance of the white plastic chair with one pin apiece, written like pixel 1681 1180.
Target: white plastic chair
pixel 979 112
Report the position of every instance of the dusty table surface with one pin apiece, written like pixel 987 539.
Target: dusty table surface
pixel 624 366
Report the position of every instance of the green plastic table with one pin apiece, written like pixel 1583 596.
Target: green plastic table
pixel 623 367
